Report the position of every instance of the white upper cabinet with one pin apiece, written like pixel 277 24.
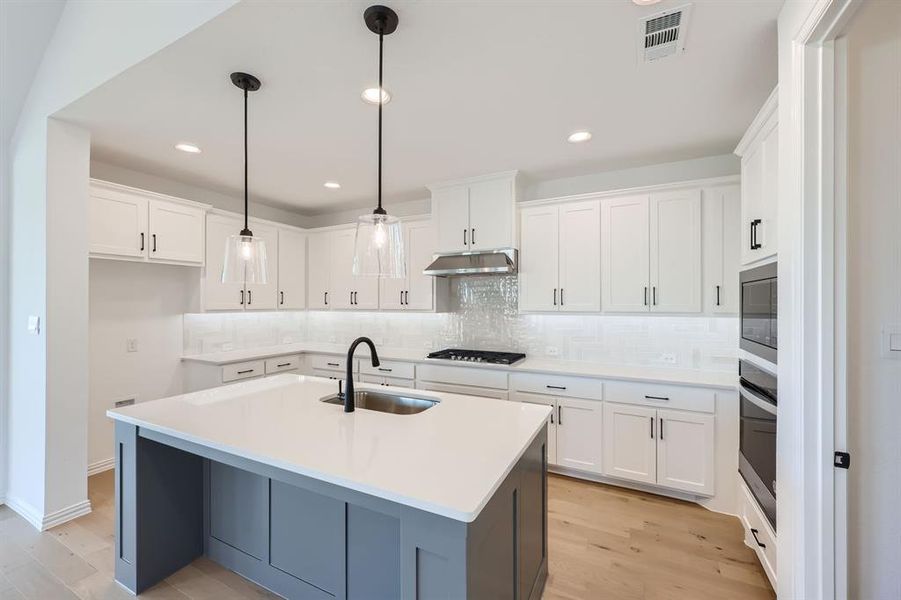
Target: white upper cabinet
pixel 292 270
pixel 130 224
pixel 721 214
pixel 319 263
pixel 560 258
pixel 475 214
pixel 217 295
pixel 759 152
pixel 176 232
pixel 675 251
pixel 264 296
pixel 415 291
pixel 625 254
pixel 345 290
pixel 685 451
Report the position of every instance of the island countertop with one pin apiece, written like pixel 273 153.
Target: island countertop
pixel 448 460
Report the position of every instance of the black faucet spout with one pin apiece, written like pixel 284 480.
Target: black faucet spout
pixel 349 387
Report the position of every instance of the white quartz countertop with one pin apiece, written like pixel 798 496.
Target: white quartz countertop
pixel 654 374
pixel 448 460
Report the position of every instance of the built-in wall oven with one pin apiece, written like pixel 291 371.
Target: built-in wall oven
pixel 757 441
pixel 759 312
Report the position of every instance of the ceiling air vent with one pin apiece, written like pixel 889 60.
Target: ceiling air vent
pixel 663 34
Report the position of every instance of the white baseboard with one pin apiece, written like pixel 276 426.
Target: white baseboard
pixel 45 522
pixel 101 465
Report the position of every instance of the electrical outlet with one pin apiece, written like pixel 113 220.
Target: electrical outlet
pixel 552 351
pixel 131 345
pixel 668 357
pixel 227 346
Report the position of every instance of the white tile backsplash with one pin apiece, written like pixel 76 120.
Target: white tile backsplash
pixel 484 316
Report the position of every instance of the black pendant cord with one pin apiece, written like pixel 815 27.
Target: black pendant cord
pixel 380 210
pixel 246 227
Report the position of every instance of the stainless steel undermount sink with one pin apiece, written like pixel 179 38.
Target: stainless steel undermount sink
pixel 398 404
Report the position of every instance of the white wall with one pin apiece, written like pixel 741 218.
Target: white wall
pixel 47 404
pixel 144 302
pixel 874 282
pixel 164 185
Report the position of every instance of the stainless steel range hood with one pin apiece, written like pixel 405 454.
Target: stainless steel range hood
pixel 487 262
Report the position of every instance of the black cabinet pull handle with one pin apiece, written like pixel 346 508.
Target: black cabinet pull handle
pixel 555 296
pixel 473 237
pixel 401 297
pixel 283 365
pixel 333 364
pixel 351 298
pixel 652 428
pixel 142 241
pixel 755 245
pixel 407 297
pixel 242 297
pixel 754 532
pixel 282 297
pixel 559 415
pixel 245 372
pixel 385 370
pixel 325 298
pixel 561 296
pixel 552 416
pixel 657 398
pixel 717 295
pixel 154 241
pixel 645 295
pixel 654 295
pixel 249 297
pixel 555 387
pixel 465 232
pixel 661 428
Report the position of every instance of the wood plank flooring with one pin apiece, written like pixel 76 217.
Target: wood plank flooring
pixel 605 543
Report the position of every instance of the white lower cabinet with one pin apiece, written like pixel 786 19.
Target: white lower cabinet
pixel 630 447
pixel 575 429
pixel 551 421
pixel 670 448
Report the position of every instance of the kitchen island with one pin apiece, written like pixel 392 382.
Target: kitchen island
pixel 312 502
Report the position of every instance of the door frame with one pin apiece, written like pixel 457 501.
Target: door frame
pixel 814 366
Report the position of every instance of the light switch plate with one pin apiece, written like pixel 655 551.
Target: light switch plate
pixel 891 341
pixel 34 324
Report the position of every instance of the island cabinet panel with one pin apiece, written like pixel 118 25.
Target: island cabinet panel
pixel 373 554
pixel 238 503
pixel 307 536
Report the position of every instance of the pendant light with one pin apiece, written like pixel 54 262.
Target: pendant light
pixel 379 241
pixel 245 256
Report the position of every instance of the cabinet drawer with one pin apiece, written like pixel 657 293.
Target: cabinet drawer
pixel 556 385
pixel 389 381
pixel 463 389
pixel 388 368
pixel 753 518
pixel 487 378
pixel 661 396
pixel 244 370
pixel 327 373
pixel 328 363
pixel 282 363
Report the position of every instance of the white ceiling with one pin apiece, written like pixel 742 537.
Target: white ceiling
pixel 477 87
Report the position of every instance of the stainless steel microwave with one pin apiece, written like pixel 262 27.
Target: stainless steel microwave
pixel 759 312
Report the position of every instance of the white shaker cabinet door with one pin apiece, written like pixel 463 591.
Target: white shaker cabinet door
pixel 264 296
pixel 685 451
pixel 625 254
pixel 218 295
pixel 176 232
pixel 292 270
pixel 722 239
pixel 341 279
pixel 675 237
pixel 538 259
pixel 117 223
pixel 580 257
pixel 580 434
pixel 319 264
pixel 630 442
pixel 420 249
pixel 491 214
pixel 451 209
pixel 551 421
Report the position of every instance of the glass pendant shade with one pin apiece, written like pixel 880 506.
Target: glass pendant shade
pixel 245 260
pixel 379 247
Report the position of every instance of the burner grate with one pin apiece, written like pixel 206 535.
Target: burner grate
pixel 479 356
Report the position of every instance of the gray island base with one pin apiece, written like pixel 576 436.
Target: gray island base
pixel 304 538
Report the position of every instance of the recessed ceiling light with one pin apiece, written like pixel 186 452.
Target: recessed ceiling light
pixel 190 148
pixel 579 136
pixel 645 2
pixel 371 95
pixel 332 185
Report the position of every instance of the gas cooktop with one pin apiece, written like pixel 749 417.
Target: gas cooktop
pixel 479 356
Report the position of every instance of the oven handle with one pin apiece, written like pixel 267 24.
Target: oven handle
pixel 758 401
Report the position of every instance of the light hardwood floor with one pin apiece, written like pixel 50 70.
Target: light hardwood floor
pixel 605 543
